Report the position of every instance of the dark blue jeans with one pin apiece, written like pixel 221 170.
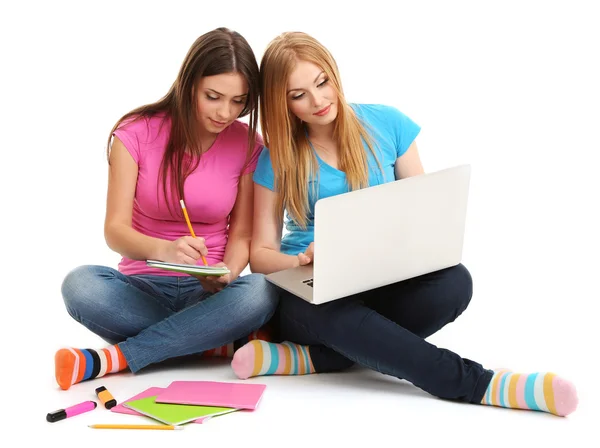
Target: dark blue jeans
pixel 385 329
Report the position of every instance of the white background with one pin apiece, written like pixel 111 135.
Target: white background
pixel 510 87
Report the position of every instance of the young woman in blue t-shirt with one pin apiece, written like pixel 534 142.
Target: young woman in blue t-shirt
pixel 313 135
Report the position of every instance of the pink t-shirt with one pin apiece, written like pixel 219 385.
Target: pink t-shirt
pixel 210 191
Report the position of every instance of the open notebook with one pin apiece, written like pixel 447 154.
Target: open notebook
pixel 189 268
pixel 174 414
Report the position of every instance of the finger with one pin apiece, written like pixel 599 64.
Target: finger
pixel 200 278
pixel 198 243
pixel 205 285
pixel 186 259
pixel 186 250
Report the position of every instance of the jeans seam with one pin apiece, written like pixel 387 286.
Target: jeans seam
pixel 154 294
pixel 130 361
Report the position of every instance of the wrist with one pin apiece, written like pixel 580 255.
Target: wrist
pixel 234 267
pixel 234 271
pixel 157 250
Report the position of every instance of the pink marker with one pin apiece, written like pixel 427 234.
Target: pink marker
pixel 72 411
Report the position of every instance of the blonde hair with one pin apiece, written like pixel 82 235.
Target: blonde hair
pixel 285 135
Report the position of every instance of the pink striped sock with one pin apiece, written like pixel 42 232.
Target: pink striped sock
pixel 544 391
pixel 265 358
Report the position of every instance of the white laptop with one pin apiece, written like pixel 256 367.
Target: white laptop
pixel 384 234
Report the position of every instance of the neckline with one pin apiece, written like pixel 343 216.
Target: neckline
pixel 214 143
pixel 324 164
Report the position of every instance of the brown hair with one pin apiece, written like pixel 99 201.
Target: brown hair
pixel 216 52
pixel 285 135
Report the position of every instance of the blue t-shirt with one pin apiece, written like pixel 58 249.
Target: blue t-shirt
pixel 391 132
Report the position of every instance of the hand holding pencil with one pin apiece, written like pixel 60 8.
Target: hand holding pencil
pixel 184 250
pixel 189 223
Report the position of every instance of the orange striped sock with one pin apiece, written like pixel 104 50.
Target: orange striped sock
pixel 73 365
pixel 227 351
pixel 534 391
pixel 265 358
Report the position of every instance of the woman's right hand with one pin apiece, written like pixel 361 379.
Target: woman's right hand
pixel 184 250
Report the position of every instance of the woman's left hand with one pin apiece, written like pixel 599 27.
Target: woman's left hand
pixel 308 255
pixel 215 284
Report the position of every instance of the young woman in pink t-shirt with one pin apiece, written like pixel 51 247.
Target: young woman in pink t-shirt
pixel 189 145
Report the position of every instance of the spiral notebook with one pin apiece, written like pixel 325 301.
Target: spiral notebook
pixel 189 268
pixel 213 393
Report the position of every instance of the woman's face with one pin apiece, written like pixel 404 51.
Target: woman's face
pixel 219 100
pixel 310 95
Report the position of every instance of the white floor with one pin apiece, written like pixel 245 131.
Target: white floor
pixel 320 410
pixel 356 406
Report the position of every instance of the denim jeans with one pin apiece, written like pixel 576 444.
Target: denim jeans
pixel 385 330
pixel 154 318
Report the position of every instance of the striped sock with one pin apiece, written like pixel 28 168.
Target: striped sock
pixel 265 358
pixel 73 365
pixel 535 391
pixel 227 351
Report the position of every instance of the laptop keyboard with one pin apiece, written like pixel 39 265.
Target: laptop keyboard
pixel 308 282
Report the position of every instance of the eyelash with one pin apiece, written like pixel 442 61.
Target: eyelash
pixel 321 84
pixel 210 98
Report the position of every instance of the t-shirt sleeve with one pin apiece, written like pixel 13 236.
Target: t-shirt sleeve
pixel 250 167
pixel 128 133
pixel 404 130
pixel 263 175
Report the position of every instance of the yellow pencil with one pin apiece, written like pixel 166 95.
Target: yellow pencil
pixel 187 219
pixel 159 427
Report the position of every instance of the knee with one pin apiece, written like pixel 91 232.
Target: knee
pixel 462 286
pixel 262 297
pixel 77 288
pixel 301 311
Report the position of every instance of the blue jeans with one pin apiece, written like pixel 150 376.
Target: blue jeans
pixel 154 318
pixel 385 330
